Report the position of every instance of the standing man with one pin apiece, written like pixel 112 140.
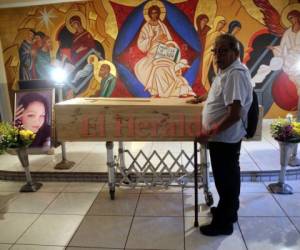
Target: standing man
pixel 43 60
pixel 224 115
pixel 108 81
pixel 25 56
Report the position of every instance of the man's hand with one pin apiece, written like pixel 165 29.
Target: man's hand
pixel 202 138
pixel 197 99
pixel 206 134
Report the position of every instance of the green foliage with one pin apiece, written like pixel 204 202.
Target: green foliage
pixel 287 130
pixel 13 137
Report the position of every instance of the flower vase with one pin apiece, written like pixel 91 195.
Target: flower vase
pixel 30 186
pixel 281 187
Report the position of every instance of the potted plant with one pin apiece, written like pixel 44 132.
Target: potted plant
pixel 16 139
pixel 287 133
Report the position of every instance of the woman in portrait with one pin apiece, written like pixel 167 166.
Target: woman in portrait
pixel 33 114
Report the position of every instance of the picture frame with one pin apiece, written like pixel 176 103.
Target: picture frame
pixel 34 110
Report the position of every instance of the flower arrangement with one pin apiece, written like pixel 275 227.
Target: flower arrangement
pixel 286 130
pixel 14 137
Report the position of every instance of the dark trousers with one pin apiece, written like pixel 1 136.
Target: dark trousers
pixel 226 171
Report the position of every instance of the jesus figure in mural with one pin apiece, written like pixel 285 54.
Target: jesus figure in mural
pixel 155 72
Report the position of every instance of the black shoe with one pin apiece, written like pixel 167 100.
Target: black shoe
pixel 215 230
pixel 213 211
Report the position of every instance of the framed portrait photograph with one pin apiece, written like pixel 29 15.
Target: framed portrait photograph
pixel 33 110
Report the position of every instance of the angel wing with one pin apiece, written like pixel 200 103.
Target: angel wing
pixel 271 17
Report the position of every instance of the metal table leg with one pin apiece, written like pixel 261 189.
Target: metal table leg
pixel 128 178
pixel 196 223
pixel 111 169
pixel 205 175
pixel 30 186
pixel 122 156
pixel 64 164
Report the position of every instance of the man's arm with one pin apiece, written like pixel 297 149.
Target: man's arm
pixel 232 116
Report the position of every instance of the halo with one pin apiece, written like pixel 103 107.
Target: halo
pixel 159 4
pixel 75 13
pixel 92 56
pixel 113 69
pixel 285 11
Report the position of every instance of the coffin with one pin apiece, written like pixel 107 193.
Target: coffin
pixel 127 119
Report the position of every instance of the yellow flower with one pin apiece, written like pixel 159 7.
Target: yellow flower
pixel 26 135
pixel 297 130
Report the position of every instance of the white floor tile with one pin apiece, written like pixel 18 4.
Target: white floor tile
pixel 259 204
pixel 289 203
pixel 54 230
pixel 156 233
pixel 265 155
pixel 249 166
pixel 295 185
pixel 91 248
pixel 39 160
pixel 94 158
pixel 71 203
pixel 13 225
pixel 94 168
pixel 194 240
pixel 83 187
pixel 122 189
pixel 29 203
pixel 102 231
pixel 296 222
pixel 6 198
pixel 160 205
pixel 269 233
pixel 35 247
pixel 52 187
pixel 161 189
pixel 253 187
pixel 204 210
pixel 4 246
pixel 124 204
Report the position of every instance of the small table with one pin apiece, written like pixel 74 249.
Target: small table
pixel 126 119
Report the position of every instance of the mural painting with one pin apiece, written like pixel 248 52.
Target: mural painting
pixel 155 48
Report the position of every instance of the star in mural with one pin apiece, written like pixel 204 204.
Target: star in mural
pixel 46 17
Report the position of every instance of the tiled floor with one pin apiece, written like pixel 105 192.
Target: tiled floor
pixel 78 216
pixel 82 216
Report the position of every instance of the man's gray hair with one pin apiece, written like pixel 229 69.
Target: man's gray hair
pixel 229 40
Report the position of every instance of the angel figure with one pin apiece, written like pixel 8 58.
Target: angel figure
pixel 287 54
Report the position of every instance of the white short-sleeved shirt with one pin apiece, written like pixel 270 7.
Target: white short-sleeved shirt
pixel 231 84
